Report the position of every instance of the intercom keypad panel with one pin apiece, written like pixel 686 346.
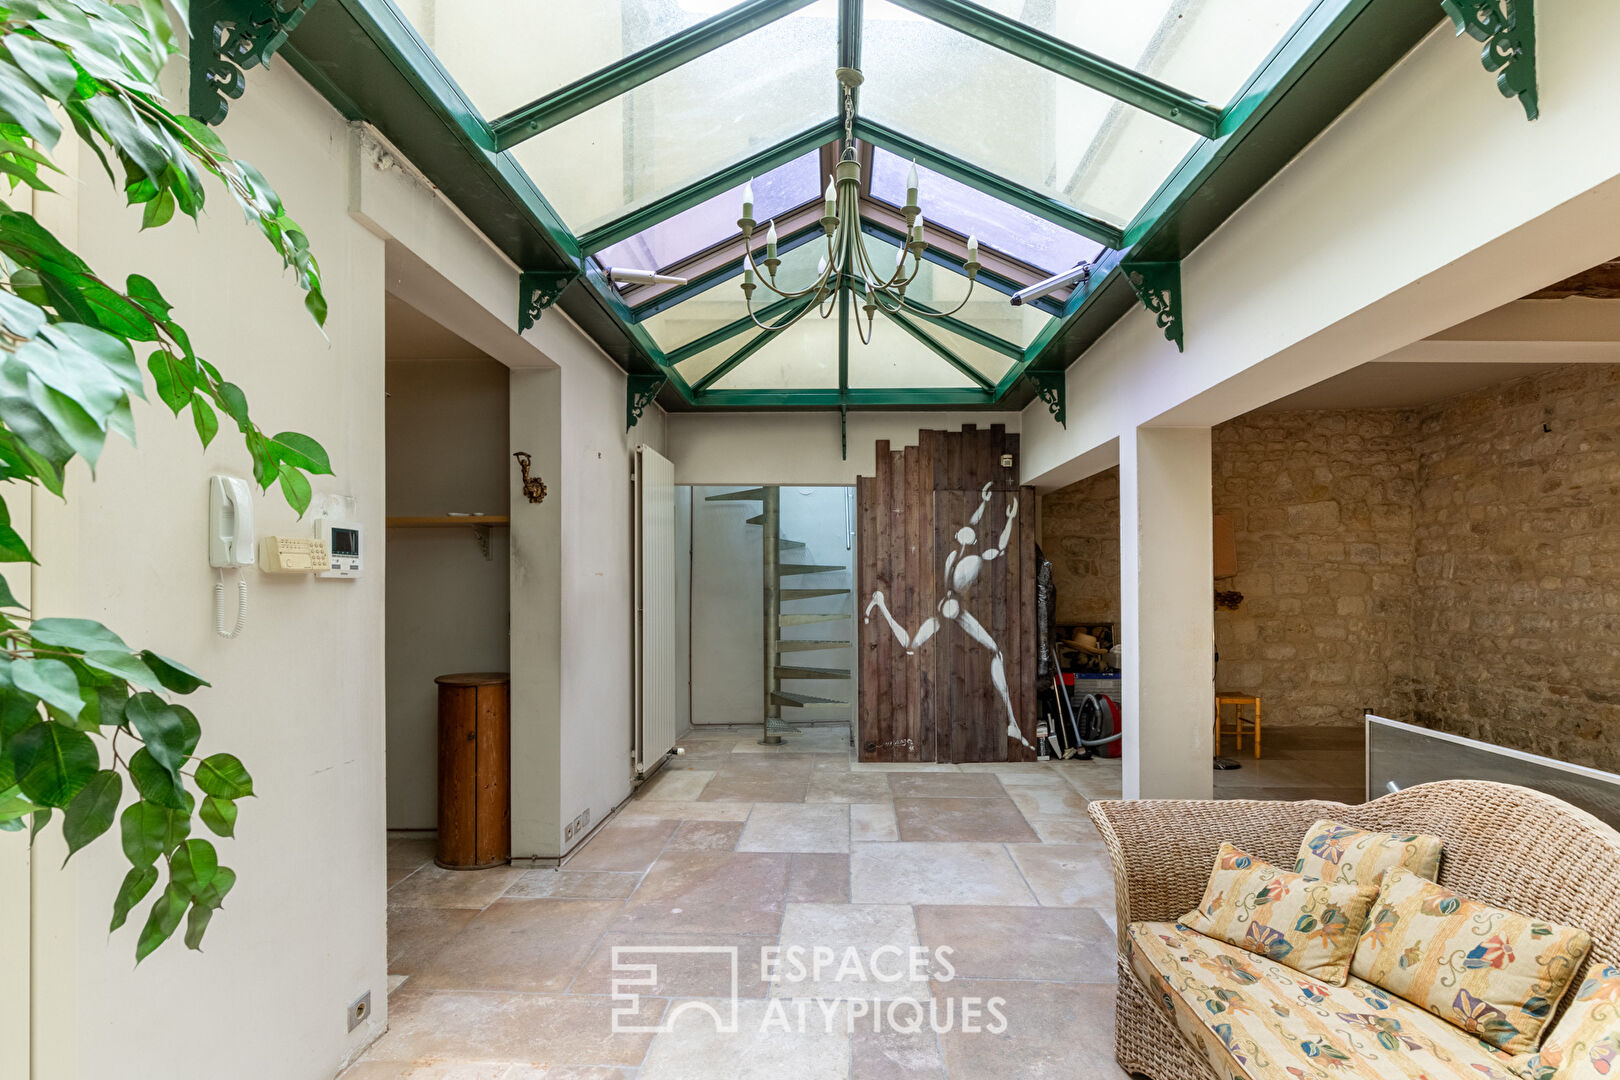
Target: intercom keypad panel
pixel 293 555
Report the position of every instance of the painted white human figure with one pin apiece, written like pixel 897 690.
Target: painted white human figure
pixel 962 569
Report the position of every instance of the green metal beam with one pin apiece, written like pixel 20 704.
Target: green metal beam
pixel 1054 54
pixel 1042 206
pixel 704 282
pixel 699 191
pixel 856 397
pixel 637 68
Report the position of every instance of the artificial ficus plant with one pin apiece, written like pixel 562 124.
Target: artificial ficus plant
pixel 83 715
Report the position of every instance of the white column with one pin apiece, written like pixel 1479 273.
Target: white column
pixel 1167 612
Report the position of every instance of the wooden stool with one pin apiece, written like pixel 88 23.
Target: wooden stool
pixel 1237 701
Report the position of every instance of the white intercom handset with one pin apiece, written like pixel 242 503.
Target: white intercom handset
pixel 230 544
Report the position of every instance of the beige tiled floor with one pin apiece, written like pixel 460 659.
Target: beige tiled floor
pixel 509 972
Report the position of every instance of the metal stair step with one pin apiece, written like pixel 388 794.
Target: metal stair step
pixel 806 620
pixel 790 545
pixel 810 645
pixel 788 571
pixel 757 519
pixel 775 725
pixel 794 701
pixel 784 671
pixel 809 594
pixel 751 495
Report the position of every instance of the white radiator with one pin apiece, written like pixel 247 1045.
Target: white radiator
pixel 659 682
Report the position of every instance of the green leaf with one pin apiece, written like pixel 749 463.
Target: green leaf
pixel 150 832
pixel 14 805
pixel 46 64
pixel 175 379
pixel 159 211
pixel 223 776
pixel 53 762
pixel 161 923
pixel 193 866
pixel 163 732
pixel 202 416
pixel 8 599
pixel 302 452
pixel 175 676
pixel 92 810
pixel 124 665
pixel 137 883
pixel 234 402
pixel 78 428
pixel 197 925
pixel 38 821
pixel 156 783
pixel 219 815
pixel 24 105
pixel 84 635
pixel 52 681
pixel 295 487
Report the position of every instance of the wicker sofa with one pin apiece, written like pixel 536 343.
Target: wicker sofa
pixel 1508 846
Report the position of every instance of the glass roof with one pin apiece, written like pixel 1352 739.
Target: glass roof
pixel 648 153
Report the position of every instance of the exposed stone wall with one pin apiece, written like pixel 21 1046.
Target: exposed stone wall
pixel 1321 505
pixel 1080 534
pixel 1517 575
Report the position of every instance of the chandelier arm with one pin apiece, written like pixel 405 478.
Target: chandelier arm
pixel 925 313
pixel 783 324
pixel 786 294
pixel 866 337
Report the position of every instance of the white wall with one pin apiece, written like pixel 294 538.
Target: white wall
pixel 447 600
pixel 799 448
pixel 727 632
pixel 299 697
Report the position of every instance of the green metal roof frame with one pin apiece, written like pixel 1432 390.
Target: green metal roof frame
pixel 371 65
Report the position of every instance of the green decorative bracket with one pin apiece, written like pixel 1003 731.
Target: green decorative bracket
pixel 538 290
pixel 1049 388
pixel 639 392
pixel 1158 286
pixel 1508 29
pixel 227 38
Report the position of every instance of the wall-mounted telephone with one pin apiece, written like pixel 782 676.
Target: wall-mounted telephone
pixel 230 544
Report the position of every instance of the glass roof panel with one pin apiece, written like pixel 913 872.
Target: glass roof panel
pixel 895 358
pixel 802 357
pixel 722 304
pixel 1207 48
pixel 969 211
pixel 684 125
pixel 507 53
pixel 709 222
pixel 695 367
pixel 1010 117
pixel 941 288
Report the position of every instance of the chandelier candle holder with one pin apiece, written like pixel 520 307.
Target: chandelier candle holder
pixel 846 263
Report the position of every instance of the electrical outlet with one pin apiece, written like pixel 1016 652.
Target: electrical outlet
pixel 577 826
pixel 359 1010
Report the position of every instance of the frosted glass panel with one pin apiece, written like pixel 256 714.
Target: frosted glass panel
pixel 803 357
pixel 895 358
pixel 1401 756
pixel 507 53
pixel 1207 48
pixel 694 368
pixel 1012 118
pixel 690 122
pixel 722 304
pixel 941 288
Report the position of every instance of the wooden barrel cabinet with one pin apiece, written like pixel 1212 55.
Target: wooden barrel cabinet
pixel 475 769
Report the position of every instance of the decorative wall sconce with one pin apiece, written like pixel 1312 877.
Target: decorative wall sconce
pixel 534 488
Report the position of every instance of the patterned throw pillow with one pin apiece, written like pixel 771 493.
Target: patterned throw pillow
pixel 1585 1044
pixel 1494 973
pixel 1308 924
pixel 1335 852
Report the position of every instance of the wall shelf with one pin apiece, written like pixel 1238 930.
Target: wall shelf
pixel 445 520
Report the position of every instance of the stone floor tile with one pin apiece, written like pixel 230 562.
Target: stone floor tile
pixel 1051 1028
pixel 872 821
pixel 573 884
pixel 527 945
pixel 653 809
pixel 520 1028
pixel 433 886
pixel 398 874
pixel 958 785
pixel 756 789
pixel 678 785
pixel 933 873
pixel 442 1070
pixel 1049 802
pixel 685 965
pixel 624 844
pixel 797 828
pixel 705 836
pixel 818 878
pixel 1098 778
pixel 757 1050
pixel 709 892
pixel 848 787
pixel 1042 944
pixel 1067 830
pixel 895 1055
pixel 1067 875
pixel 982 820
pixel 903 766
pixel 416 934
pixel 409 852
pixel 854 933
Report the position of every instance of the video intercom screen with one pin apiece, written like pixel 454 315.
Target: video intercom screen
pixel 346 542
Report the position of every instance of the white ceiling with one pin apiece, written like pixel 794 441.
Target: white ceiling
pixel 1400 385
pixel 410 335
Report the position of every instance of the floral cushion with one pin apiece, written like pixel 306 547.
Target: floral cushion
pixel 1490 971
pixel 1253 1019
pixel 1585 1044
pixel 1335 852
pixel 1308 924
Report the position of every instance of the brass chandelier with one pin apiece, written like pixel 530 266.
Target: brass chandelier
pixel 846 263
